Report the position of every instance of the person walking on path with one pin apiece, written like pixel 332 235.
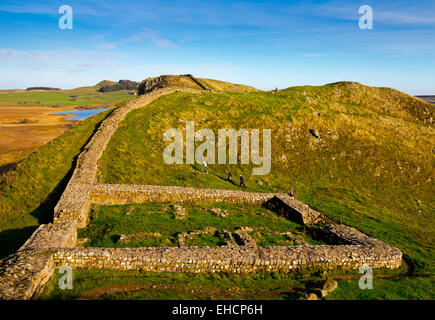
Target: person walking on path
pixel 242 182
pixel 205 167
pixel 230 177
pixel 292 193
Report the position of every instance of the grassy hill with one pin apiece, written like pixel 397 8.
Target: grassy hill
pixel 371 166
pixel 360 155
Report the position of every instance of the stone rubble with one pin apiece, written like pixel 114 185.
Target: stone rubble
pixel 139 236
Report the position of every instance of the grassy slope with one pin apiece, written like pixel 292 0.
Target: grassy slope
pixel 29 193
pixel 222 86
pixel 372 168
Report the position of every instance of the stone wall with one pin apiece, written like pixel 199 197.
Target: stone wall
pixel 229 258
pixel 117 194
pixel 198 82
pixel 74 202
pixel 24 274
pixel 294 210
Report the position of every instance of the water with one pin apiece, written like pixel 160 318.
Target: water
pixel 81 114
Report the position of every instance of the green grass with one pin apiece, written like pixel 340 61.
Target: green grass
pixel 372 168
pixel 86 96
pixel 179 285
pixel 413 288
pixel 29 193
pixel 204 286
pixel 110 222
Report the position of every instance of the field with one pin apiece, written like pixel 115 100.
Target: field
pixel 84 97
pixel 27 118
pixel 157 225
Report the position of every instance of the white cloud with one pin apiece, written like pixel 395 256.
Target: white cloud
pixel 65 57
pixel 150 34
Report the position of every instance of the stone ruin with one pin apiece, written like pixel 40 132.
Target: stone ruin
pixel 24 274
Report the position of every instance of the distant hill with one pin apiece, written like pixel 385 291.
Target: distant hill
pixel 106 83
pixel 430 99
pixel 120 85
pixel 41 88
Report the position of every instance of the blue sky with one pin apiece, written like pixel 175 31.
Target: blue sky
pixel 266 44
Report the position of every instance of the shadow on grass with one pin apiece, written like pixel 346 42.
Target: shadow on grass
pixel 11 240
pixel 44 213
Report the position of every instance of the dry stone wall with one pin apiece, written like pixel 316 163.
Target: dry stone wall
pixel 24 274
pixel 198 82
pixel 229 258
pixel 118 194
pixel 74 203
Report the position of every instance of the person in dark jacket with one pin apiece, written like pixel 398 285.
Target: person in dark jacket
pixel 230 177
pixel 242 182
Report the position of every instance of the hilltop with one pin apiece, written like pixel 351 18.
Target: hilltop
pixel 191 82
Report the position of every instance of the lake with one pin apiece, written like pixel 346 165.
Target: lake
pixel 81 114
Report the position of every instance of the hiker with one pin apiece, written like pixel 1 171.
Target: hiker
pixel 230 177
pixel 205 167
pixel 242 182
pixel 292 193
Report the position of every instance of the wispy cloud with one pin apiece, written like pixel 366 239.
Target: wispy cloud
pixel 106 46
pixel 149 34
pixel 311 55
pixel 82 67
pixel 388 12
pixel 66 57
